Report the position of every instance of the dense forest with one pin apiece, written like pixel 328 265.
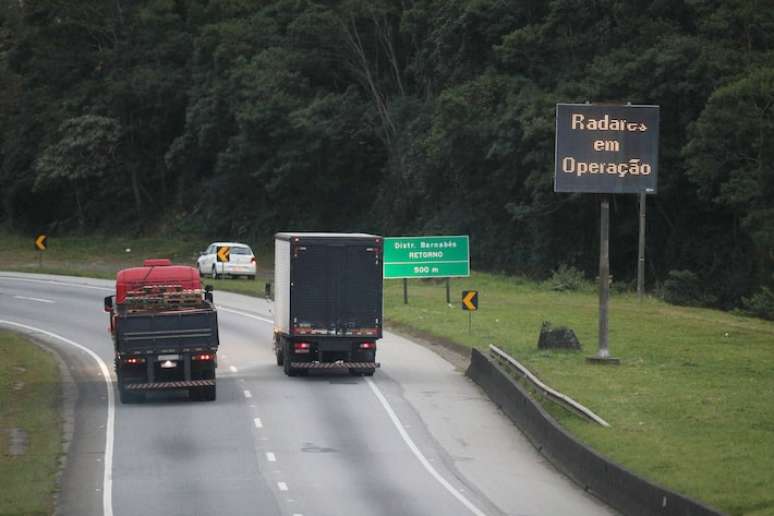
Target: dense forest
pixel 239 118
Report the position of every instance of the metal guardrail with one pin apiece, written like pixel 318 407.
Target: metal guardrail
pixel 555 395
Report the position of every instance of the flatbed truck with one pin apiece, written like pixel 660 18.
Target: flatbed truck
pixel 164 328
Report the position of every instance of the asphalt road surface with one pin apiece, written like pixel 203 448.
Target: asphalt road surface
pixel 418 438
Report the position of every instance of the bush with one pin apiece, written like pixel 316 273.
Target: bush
pixel 567 278
pixel 760 304
pixel 685 288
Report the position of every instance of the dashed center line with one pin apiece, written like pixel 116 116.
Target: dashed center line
pixel 271 457
pixel 248 394
pixel 232 369
pixel 258 422
pixel 282 486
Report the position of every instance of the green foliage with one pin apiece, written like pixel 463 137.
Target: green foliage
pixel 760 304
pixel 433 116
pixel 567 278
pixel 685 288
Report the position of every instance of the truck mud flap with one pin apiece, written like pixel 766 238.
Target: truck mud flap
pixel 168 385
pixel 335 365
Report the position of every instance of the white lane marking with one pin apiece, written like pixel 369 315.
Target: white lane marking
pixel 271 457
pixel 282 486
pixel 232 369
pixel 248 394
pixel 63 283
pixel 107 478
pixel 245 314
pixel 418 454
pixel 258 422
pixel 38 299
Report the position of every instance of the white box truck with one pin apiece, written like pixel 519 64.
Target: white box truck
pixel 327 301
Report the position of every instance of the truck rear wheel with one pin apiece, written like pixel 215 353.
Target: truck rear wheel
pixel 280 356
pixel 290 371
pixel 207 393
pixel 362 372
pixel 127 397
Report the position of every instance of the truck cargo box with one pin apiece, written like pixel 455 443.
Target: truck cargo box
pixel 328 284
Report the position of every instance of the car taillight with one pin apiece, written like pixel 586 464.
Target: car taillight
pixel 134 360
pixel 203 356
pixel 368 345
pixel 302 347
pixel 252 259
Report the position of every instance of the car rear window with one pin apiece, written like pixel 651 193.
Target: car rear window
pixel 241 250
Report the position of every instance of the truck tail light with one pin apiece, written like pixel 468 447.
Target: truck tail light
pixel 134 360
pixel 302 347
pixel 368 345
pixel 203 357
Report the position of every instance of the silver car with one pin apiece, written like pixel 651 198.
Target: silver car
pixel 223 259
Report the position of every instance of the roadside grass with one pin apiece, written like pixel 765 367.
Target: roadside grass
pixel 101 256
pixel 691 406
pixel 29 403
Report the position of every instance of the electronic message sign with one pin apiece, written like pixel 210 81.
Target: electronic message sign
pixel 606 148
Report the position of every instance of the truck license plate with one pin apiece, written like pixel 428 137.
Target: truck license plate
pixel 163 358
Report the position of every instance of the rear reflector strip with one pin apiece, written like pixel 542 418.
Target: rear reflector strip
pixel 335 365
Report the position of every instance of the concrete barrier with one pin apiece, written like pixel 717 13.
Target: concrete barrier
pixel 617 486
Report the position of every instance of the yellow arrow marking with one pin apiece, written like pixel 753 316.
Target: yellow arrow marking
pixel 223 254
pixel 40 242
pixel 468 300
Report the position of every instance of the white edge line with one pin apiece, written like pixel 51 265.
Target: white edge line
pixel 248 394
pixel 233 369
pixel 38 299
pixel 258 423
pixel 107 479
pixel 418 454
pixel 282 486
pixel 534 379
pixel 271 457
pixel 55 282
pixel 245 314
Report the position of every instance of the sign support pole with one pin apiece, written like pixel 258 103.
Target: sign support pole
pixel 470 323
pixel 603 353
pixel 641 251
pixel 405 291
pixel 448 292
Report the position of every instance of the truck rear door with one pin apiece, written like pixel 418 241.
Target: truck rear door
pixel 337 288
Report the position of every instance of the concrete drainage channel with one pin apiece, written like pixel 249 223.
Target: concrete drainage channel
pixel 617 486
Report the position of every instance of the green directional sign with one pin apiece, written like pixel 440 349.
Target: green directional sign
pixel 426 257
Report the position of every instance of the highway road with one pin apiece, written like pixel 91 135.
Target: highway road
pixel 418 438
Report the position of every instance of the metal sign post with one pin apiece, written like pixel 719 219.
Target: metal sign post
pixel 641 250
pixel 448 293
pixel 603 352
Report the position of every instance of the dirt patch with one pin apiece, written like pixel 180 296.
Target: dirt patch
pixel 18 442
